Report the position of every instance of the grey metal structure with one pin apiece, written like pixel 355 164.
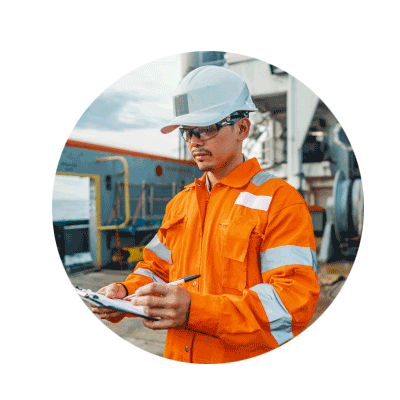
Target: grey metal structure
pixel 128 192
pixel 345 208
pixel 297 138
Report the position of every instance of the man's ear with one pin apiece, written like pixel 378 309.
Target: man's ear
pixel 243 129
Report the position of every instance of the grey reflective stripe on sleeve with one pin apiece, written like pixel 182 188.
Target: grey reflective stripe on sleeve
pixel 288 255
pixel 150 274
pixel 159 249
pixel 261 178
pixel 280 321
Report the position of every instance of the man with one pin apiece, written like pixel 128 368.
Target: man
pixel 247 233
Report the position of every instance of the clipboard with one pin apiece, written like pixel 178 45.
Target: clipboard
pixel 119 305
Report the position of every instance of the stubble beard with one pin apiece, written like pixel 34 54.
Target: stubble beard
pixel 203 166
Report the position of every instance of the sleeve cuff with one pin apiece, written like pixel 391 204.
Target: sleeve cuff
pixel 132 285
pixel 203 315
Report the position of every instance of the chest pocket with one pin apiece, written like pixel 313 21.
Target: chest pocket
pixel 174 232
pixel 239 247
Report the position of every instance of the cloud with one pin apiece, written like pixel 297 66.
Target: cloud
pixel 120 111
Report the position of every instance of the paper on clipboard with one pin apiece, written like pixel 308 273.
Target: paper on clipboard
pixel 119 305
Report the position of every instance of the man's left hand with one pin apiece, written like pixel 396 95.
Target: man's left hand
pixel 168 302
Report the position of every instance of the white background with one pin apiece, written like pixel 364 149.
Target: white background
pixel 58 57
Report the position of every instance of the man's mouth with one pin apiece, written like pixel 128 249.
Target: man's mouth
pixel 200 154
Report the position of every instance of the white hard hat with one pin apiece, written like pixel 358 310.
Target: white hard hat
pixel 207 95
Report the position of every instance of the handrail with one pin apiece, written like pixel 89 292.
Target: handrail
pixel 126 184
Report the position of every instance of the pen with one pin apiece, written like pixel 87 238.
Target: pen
pixel 178 282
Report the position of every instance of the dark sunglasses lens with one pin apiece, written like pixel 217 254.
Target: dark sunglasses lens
pixel 203 133
pixel 196 134
pixel 211 130
pixel 188 133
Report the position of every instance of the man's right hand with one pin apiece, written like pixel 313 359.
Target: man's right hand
pixel 113 291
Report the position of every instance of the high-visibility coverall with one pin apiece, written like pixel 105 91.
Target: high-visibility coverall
pixel 251 239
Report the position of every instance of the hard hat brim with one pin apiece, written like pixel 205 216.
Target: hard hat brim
pixel 169 128
pixel 206 96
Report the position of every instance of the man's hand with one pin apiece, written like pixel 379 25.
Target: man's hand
pixel 170 303
pixel 113 291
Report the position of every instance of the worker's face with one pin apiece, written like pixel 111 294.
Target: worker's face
pixel 217 153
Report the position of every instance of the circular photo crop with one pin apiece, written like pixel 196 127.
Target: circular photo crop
pixel 208 207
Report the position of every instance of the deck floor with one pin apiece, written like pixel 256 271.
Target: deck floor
pixel 331 278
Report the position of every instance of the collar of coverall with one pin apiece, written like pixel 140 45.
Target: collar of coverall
pixel 239 177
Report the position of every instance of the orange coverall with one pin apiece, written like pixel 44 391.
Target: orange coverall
pixel 251 239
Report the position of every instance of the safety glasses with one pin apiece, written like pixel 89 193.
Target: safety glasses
pixel 204 133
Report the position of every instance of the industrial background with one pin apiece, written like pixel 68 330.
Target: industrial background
pixel 294 136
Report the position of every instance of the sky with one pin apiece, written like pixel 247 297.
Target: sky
pixel 71 188
pixel 128 114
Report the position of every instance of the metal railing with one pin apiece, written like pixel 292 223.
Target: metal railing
pixel 151 199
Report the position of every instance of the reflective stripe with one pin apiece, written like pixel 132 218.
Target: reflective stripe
pixel 150 274
pixel 249 200
pixel 159 249
pixel 261 178
pixel 280 321
pixel 288 255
